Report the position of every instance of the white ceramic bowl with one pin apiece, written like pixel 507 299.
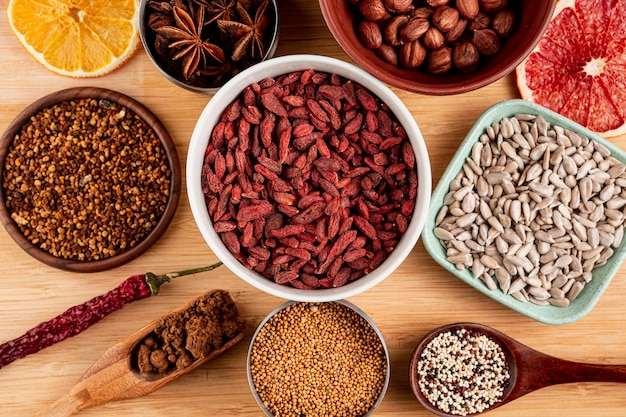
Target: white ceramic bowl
pixel 273 68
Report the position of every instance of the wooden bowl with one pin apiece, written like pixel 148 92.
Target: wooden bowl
pixel 172 158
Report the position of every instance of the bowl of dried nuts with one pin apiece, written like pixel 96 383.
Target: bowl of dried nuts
pixel 90 179
pixel 199 45
pixel 308 178
pixel 437 47
pixel 530 212
pixel 340 368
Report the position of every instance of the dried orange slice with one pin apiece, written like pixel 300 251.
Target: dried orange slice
pixel 77 38
pixel 578 69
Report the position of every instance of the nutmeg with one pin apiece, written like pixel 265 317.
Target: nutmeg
pixel 388 54
pixel 465 57
pixel 503 22
pixel 369 34
pixel 424 12
pixel 391 33
pixel 458 30
pixel 467 8
pixel 444 18
pixel 440 60
pixel 398 6
pixel 433 38
pixel 412 54
pixel 481 21
pixel 437 3
pixel 486 41
pixel 373 10
pixel 414 30
pixel 492 6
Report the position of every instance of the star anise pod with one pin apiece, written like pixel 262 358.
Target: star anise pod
pixel 186 39
pixel 218 9
pixel 249 32
pixel 161 14
pixel 217 73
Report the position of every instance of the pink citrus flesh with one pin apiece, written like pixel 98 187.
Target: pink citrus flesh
pixel 578 69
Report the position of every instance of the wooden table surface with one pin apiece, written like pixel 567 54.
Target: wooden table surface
pixel 419 296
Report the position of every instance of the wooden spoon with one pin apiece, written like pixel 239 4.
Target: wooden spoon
pixel 529 369
pixel 115 376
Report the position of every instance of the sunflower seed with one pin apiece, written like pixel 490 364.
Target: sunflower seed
pixel 443 234
pixel 559 302
pixel 534 209
pixel 575 290
pixel 489 262
pixel 460 258
pixel 504 279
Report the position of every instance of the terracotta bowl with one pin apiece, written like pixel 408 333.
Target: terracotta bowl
pixel 124 255
pixel 342 18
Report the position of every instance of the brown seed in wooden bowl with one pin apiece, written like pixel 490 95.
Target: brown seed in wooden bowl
pixel 90 179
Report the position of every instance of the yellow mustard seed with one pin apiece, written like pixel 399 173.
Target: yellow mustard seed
pixel 318 359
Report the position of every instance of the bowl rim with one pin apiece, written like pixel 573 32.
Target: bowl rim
pixel 602 276
pixel 283 65
pixel 458 84
pixel 189 87
pixel 160 131
pixel 345 303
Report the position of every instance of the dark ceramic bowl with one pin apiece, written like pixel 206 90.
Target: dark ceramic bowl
pixel 342 18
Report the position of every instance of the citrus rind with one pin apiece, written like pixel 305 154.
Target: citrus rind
pixel 77 38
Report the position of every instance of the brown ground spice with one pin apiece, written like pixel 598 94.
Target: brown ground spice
pixel 183 337
pixel 86 179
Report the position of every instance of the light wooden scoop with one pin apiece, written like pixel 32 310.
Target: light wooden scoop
pixel 529 369
pixel 115 376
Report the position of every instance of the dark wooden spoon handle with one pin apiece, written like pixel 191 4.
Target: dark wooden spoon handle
pixel 541 370
pixel 529 369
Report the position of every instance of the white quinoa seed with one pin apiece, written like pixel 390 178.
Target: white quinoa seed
pixel 462 372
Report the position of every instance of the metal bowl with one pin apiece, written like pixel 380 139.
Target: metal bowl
pixel 148 37
pixel 344 303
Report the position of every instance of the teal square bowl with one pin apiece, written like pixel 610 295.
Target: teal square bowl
pixel 602 276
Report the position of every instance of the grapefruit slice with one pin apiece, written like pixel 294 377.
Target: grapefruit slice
pixel 76 38
pixel 578 69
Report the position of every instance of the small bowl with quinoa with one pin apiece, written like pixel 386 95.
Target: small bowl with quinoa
pixel 530 212
pixel 318 359
pixel 308 178
pixel 90 179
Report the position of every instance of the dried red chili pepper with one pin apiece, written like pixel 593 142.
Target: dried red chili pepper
pixel 78 318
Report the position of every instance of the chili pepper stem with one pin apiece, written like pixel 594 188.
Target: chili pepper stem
pixel 155 281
